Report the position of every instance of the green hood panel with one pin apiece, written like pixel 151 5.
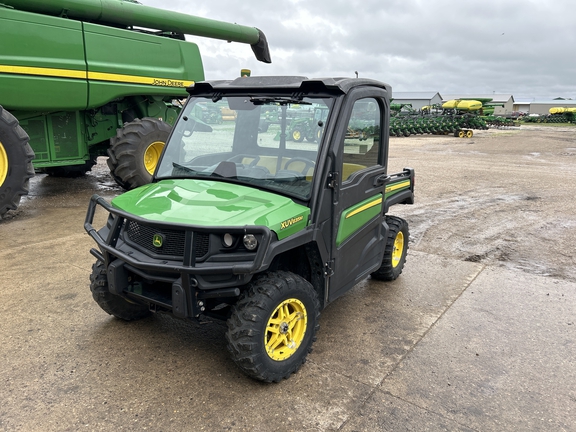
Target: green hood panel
pixel 212 204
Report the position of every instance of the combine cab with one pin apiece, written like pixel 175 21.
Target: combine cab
pixel 86 78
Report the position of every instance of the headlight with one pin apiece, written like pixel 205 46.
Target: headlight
pixel 228 240
pixel 250 242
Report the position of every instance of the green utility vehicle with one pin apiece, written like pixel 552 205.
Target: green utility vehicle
pixel 263 233
pixel 87 78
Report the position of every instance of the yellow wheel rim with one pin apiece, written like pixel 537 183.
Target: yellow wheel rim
pixel 469 134
pixel 461 134
pixel 152 156
pixel 3 164
pixel 285 329
pixel 398 249
pixel 296 135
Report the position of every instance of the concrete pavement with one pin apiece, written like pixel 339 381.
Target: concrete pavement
pixel 451 345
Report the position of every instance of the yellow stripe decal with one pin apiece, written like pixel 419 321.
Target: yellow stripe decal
pixel 134 79
pixel 365 207
pixel 396 186
pixel 97 76
pixel 26 70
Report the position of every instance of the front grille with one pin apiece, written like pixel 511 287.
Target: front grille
pixel 173 241
pixel 202 244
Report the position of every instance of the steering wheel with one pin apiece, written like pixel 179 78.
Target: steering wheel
pixel 307 164
pixel 251 169
pixel 239 157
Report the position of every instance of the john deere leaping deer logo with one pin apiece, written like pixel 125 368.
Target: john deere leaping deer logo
pixel 158 240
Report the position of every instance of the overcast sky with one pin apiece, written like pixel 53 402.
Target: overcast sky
pixel 523 47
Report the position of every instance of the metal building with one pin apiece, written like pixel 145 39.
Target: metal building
pixel 416 99
pixel 543 107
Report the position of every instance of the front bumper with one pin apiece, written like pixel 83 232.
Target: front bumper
pixel 191 267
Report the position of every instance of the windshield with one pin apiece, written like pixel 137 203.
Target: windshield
pixel 267 142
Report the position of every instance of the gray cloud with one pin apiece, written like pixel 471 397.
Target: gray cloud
pixel 518 47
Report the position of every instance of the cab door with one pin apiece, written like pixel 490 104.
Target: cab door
pixel 358 221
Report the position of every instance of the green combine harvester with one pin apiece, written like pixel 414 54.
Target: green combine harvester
pixel 86 78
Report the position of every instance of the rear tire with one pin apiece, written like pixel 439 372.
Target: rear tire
pixel 15 162
pixel 135 151
pixel 396 250
pixel 110 303
pixel 272 327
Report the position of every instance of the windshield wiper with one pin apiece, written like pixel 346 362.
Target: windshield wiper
pixel 279 100
pixel 185 168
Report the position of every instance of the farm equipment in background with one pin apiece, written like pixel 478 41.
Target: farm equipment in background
pixel 401 108
pixel 556 115
pixel 304 123
pixel 86 78
pixel 309 127
pixel 464 116
pixel 455 117
pixel 500 121
pixel 483 117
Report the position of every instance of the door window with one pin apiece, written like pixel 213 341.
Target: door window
pixel 362 140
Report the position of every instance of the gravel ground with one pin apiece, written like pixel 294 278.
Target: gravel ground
pixel 503 197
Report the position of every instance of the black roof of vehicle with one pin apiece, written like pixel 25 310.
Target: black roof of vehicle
pixel 285 84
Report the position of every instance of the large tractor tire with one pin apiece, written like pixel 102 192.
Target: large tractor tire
pixel 272 327
pixel 395 251
pixel 15 162
pixel 111 303
pixel 135 151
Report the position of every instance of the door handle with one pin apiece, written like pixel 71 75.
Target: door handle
pixel 381 180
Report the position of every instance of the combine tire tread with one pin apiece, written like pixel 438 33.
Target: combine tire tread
pixel 18 155
pixel 127 149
